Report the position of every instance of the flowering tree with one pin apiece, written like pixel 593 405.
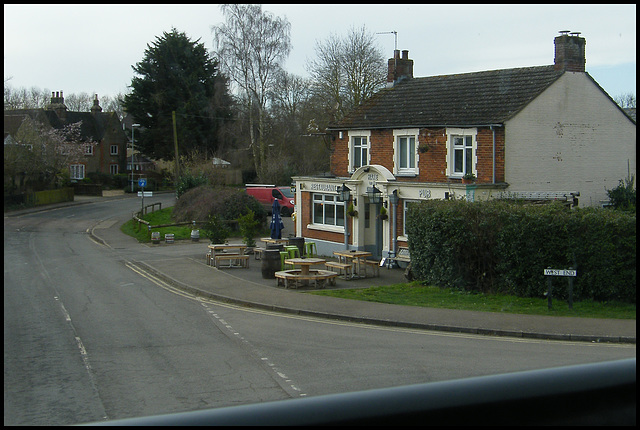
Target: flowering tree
pixel 41 155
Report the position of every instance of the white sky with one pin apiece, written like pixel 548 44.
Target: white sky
pixel 91 48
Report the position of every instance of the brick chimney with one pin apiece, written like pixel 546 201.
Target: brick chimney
pixel 57 105
pixel 96 109
pixel 570 52
pixel 399 68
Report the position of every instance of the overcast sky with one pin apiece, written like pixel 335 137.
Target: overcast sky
pixel 91 48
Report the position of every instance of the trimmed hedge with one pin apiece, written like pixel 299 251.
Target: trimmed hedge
pixel 503 247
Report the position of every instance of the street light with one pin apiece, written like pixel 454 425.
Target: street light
pixel 133 127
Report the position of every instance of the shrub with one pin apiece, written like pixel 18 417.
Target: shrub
pixel 623 196
pixel 502 247
pixel 249 227
pixel 228 204
pixel 215 229
pixel 188 181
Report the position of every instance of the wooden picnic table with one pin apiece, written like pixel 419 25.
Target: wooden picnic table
pixel 220 252
pixel 268 240
pixel 226 247
pixel 304 263
pixel 354 257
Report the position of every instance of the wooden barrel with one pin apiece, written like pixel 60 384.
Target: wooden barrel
pixel 299 242
pixel 270 263
pixel 155 237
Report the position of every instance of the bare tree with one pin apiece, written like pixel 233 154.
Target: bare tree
pixel 347 71
pixel 81 102
pixel 113 104
pixel 23 98
pixel 251 46
pixel 627 100
pixel 328 75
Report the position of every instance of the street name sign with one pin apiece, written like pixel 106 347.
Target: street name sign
pixel 559 272
pixel 145 193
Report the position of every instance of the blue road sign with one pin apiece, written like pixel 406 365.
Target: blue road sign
pixel 142 182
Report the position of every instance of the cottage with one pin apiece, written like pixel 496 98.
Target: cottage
pixel 101 132
pixel 544 132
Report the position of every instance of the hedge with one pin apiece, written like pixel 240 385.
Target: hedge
pixel 504 247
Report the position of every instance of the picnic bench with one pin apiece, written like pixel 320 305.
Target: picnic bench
pixel 233 254
pixel 373 265
pixel 257 252
pixel 294 278
pixel 339 268
pixel 403 255
pixel 235 260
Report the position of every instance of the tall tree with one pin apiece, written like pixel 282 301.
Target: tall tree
pixel 252 44
pixel 347 71
pixel 177 75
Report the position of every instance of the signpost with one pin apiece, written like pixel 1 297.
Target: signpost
pixel 570 273
pixel 142 182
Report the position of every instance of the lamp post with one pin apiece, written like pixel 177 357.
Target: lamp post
pixel 394 199
pixel 133 128
pixel 344 194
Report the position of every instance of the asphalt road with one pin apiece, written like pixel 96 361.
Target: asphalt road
pixel 88 337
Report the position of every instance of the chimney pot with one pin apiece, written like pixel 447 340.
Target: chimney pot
pixel 570 52
pixel 399 68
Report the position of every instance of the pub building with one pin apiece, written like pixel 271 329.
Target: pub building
pixel 533 133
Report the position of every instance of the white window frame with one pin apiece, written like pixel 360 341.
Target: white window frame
pixel 76 171
pixel 453 150
pixel 88 149
pixel 405 207
pixel 113 169
pixel 327 210
pixel 112 151
pixel 359 134
pixel 399 136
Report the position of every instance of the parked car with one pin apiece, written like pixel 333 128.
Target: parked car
pixel 266 194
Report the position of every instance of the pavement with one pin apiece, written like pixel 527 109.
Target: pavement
pixel 183 266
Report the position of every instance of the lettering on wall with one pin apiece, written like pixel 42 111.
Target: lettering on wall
pixel 424 194
pixel 324 187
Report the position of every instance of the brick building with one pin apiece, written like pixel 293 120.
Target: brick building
pixel 543 132
pixel 104 130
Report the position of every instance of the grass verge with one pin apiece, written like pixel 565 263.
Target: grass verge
pixel 416 294
pixel 163 216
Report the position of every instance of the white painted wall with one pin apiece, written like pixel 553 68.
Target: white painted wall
pixel 570 138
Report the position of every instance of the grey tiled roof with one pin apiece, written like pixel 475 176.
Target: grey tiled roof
pixel 93 126
pixel 468 99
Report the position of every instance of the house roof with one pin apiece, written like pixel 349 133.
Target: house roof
pixel 93 127
pixel 468 99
